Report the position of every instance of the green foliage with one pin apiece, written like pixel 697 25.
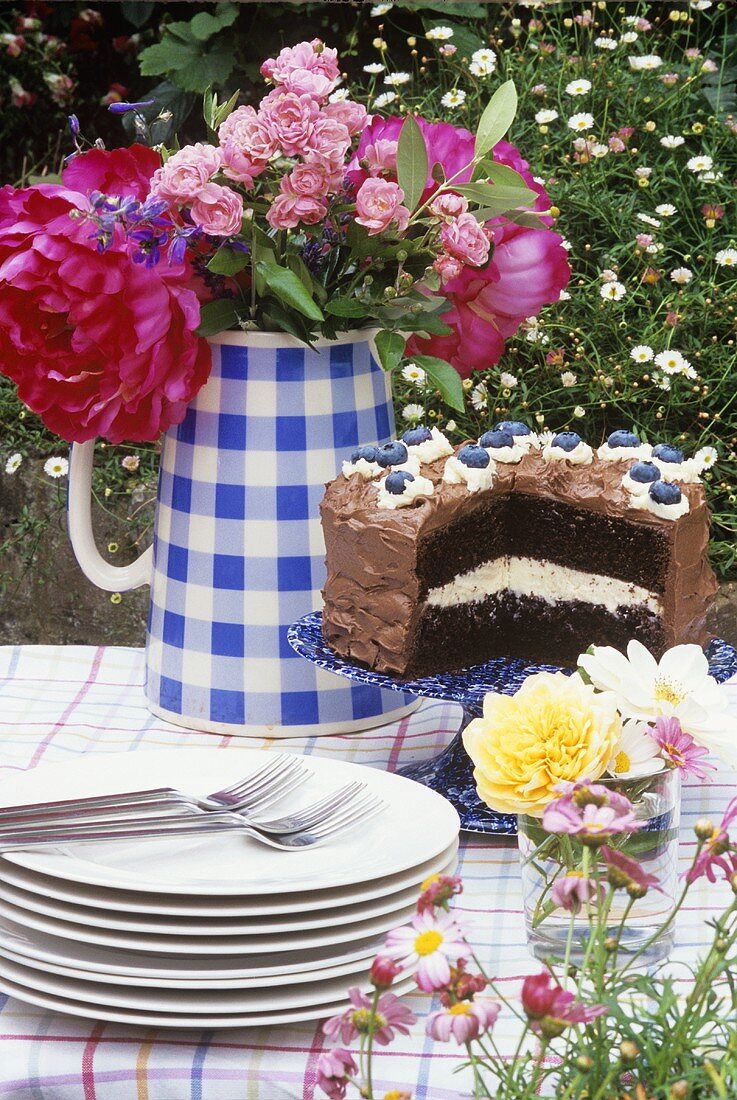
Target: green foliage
pixel 496 119
pixel 411 162
pixel 195 54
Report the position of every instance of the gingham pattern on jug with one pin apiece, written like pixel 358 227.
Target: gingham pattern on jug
pixel 238 547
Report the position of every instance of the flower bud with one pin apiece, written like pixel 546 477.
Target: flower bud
pixel 703 828
pixel 611 943
pixel 550 1028
pixel 733 882
pixel 383 972
pixel 721 945
pixel 679 1090
pixel 636 890
pixel 628 1050
pixel 584 1064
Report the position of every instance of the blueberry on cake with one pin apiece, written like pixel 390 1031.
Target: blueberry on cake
pixel 440 557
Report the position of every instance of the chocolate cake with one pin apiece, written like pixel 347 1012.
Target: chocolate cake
pixel 439 557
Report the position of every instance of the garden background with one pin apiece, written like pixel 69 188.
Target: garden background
pixel 628 114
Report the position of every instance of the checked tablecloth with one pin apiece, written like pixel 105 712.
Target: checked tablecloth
pixel 58 702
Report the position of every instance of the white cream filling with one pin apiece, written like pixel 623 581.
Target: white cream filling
pixel 431 449
pixel 664 511
pixel 544 579
pixel 475 479
pixel 420 487
pixel 367 470
pixel 508 454
pixel 686 471
pixel 581 455
pixel 621 454
pixel 636 488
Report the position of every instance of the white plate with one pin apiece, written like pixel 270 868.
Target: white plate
pixel 416 825
pixel 32 944
pixel 208 926
pixel 145 1019
pixel 205 1002
pixel 175 905
pixel 246 946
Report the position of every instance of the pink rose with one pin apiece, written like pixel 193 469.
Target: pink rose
pixel 96 344
pixel 218 210
pixel 381 157
pixel 290 120
pixel 186 173
pixel 289 209
pixel 247 144
pixel 308 179
pixel 329 142
pixel 449 205
pixel 309 68
pixel 447 267
pixel 352 115
pixel 378 204
pixel 465 239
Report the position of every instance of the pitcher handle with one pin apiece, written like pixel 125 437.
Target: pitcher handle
pixel 112 578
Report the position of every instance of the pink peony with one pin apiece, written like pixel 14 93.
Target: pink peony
pixel 247 145
pixel 451 146
pixel 463 1021
pixel 114 171
pixel 289 121
pixel 378 204
pixel 464 239
pixel 309 68
pixel 218 210
pixel 96 344
pixel 186 173
pixel 449 205
pixel 351 115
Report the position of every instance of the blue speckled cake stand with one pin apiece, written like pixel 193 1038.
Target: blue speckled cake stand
pixel 451 772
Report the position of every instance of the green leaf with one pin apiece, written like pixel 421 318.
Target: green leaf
pixel 278 319
pixel 167 97
pixel 497 118
pixel 531 221
pixel 204 26
pixel 303 273
pixel 411 162
pixel 359 241
pixel 488 169
pixel 227 261
pixel 217 316
pixel 390 348
pixel 464 38
pixel 346 307
pixel 136 12
pixel 225 109
pixel 497 196
pixel 184 62
pixel 288 289
pixel 465 8
pixel 444 377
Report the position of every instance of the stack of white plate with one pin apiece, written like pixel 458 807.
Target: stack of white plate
pixel 218 930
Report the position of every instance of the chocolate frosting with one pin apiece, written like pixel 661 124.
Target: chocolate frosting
pixel 372 593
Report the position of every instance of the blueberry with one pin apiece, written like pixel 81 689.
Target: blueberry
pixel 644 472
pixel 368 453
pixel 516 427
pixel 396 482
pixel 567 441
pixel 414 436
pixel 623 439
pixel 474 457
pixel 498 437
pixel 667 452
pixel 392 454
pixel 665 492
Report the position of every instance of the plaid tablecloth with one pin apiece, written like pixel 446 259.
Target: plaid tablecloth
pixel 57 702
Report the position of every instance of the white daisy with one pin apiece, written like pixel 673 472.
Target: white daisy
pixel 642 353
pixel 339 95
pixel 613 292
pixel 700 163
pixel 579 411
pixel 629 37
pixel 578 87
pixel 598 150
pixel 56 467
pixel 395 79
pixel 374 68
pixel 705 458
pixel 681 275
pixel 439 34
pixel 608 276
pixel 710 177
pixel 130 463
pixel 484 56
pixel 672 141
pixel 662 381
pixel 672 362
pixel 380 9
pixel 568 245
pixel 451 426
pixel 649 221
pixel 568 379
pixel 646 63
pixel 13 462
pixel 581 121
pixel 479 396
pixel 509 381
pixel 413 412
pixel 636 754
pixel 544 117
pixel 726 257
pixel 384 99
pixel 654 247
pixel 414 374
pixel 700 5
pixel 543 438
pixel 603 43
pixel 454 98
pixel 665 209
pixel 564 296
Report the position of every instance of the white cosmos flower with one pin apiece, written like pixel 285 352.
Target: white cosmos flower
pixel 705 458
pixel 414 374
pixel 509 381
pixel 384 99
pixel 395 79
pixel 56 467
pixel 374 68
pixel 672 141
pixel 603 43
pixel 581 121
pixel 636 754
pixel 578 87
pixel 440 34
pixel 13 462
pixel 678 686
pixel 613 292
pixel 413 412
pixel 665 209
pixel 672 362
pixel 646 63
pixel 455 98
pixel 642 353
pixel 726 257
pixel 681 275
pixel 542 118
pixel 700 163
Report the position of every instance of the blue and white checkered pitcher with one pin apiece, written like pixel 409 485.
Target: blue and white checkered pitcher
pixel 238 552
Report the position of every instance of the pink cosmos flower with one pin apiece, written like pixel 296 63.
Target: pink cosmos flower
pixel 379 204
pixel 348 113
pixel 391 1016
pixel 218 210
pixel 431 941
pixel 544 1001
pixel 449 205
pixel 679 748
pixel 186 173
pixel 247 145
pixel 96 344
pixel 463 1021
pixel 715 850
pixel 623 871
pixel 309 68
pixel 573 890
pixel 465 240
pixel 289 120
pixel 333 1069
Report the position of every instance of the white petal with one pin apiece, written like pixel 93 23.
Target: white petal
pixel 684 664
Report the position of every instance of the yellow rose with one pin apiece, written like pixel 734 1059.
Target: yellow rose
pixel 555 728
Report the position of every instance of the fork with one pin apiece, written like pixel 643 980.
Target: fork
pixel 362 809
pixel 276 778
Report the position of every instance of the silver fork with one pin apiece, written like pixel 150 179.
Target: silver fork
pixel 276 778
pixel 347 817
